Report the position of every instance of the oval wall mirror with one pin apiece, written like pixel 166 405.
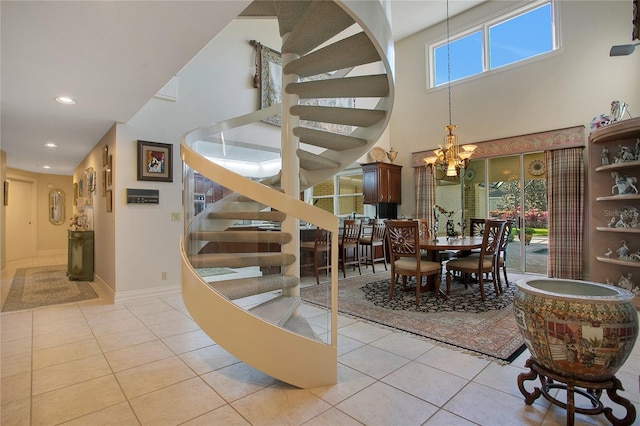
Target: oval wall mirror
pixel 56 207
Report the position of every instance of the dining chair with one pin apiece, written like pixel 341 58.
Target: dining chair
pixel 501 257
pixel 484 265
pixel 403 240
pixel 319 249
pixel 371 242
pixel 476 227
pixel 350 240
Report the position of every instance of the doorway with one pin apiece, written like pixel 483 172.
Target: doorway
pixel 512 187
pixel 20 219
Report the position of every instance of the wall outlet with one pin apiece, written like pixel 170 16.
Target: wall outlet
pixel 176 216
pixel 164 276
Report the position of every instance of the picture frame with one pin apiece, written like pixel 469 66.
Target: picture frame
pixel 76 193
pixel 110 170
pixel 105 156
pixel 109 200
pixel 270 85
pixel 104 183
pixel 155 161
pixel 90 176
pixel 5 193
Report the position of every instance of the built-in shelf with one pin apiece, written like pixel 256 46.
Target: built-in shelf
pixel 618 261
pixel 618 166
pixel 619 197
pixel 619 130
pixel 622 230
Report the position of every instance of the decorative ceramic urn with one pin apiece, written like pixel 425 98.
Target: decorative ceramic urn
pixel 577 329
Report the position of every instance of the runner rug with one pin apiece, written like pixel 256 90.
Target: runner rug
pixel 45 286
pixel 461 320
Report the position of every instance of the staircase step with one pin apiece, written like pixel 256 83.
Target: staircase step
pixel 268 216
pixel 366 86
pixel 277 310
pixel 301 326
pixel 277 237
pixel 310 161
pixel 328 140
pixel 349 116
pixel 288 13
pixel 307 34
pixel 241 260
pixel 245 287
pixel 349 52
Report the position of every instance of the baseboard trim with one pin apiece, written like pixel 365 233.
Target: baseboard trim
pixel 127 296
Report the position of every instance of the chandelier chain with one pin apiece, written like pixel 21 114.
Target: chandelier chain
pixel 449 63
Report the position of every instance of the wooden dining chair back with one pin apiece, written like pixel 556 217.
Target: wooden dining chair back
pixel 484 265
pixel 374 245
pixel 318 249
pixel 501 257
pixel 403 240
pixel 349 245
pixel 476 227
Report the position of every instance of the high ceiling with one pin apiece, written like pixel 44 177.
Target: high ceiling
pixel 112 57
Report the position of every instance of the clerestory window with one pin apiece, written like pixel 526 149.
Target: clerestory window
pixel 514 37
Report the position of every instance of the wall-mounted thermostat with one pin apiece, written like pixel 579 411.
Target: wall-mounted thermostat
pixel 143 196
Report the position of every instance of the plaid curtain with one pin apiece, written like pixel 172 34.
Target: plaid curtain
pixel 424 194
pixel 565 202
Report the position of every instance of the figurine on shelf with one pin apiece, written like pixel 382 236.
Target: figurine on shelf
pixel 635 257
pixel 625 282
pixel 624 155
pixel 627 218
pixel 624 184
pixel 623 251
pixel 608 253
pixel 617 110
pixel 605 156
pixel 638 149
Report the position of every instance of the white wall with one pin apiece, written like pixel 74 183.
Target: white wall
pixel 214 86
pixel 564 89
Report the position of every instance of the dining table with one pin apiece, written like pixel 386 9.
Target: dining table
pixel 435 246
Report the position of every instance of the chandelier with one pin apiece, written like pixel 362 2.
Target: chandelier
pixel 450 157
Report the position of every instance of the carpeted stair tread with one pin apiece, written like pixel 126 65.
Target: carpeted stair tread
pixel 310 161
pixel 349 52
pixel 337 115
pixel 244 287
pixel 304 32
pixel 268 216
pixel 374 86
pixel 277 237
pixel 328 140
pixel 240 260
pixel 301 326
pixel 277 310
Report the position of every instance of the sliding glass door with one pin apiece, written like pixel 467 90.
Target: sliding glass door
pixel 512 187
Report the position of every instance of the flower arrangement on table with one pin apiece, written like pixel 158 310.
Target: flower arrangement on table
pixel 437 211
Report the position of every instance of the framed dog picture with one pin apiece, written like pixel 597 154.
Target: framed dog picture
pixel 155 161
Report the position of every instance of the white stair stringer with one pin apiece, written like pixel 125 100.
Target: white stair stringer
pixel 341 49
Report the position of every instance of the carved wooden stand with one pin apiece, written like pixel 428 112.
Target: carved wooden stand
pixel 592 391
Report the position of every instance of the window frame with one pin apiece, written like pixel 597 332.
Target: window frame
pixel 483 27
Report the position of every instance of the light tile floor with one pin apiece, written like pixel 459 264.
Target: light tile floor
pixel 147 362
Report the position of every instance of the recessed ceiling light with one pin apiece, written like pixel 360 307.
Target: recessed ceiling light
pixel 46 167
pixel 65 100
pixel 50 145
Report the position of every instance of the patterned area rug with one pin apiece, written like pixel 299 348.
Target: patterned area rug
pixel 45 286
pixel 462 320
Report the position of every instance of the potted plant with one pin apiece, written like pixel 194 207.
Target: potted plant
pixel 528 234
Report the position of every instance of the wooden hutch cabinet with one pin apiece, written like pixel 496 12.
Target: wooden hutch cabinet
pixel 382 185
pixel 615 204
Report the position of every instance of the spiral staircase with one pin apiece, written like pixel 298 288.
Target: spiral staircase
pixel 254 225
